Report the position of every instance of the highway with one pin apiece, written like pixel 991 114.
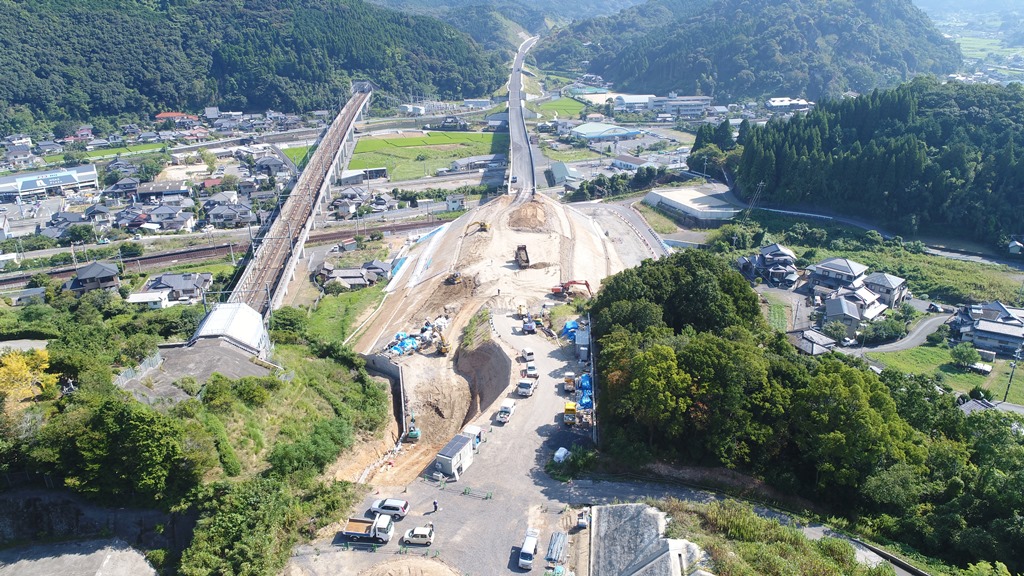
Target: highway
pixel 521 159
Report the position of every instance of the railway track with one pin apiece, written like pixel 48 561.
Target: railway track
pixel 268 263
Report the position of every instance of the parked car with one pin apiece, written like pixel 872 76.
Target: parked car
pixel 531 370
pixel 393 507
pixel 422 535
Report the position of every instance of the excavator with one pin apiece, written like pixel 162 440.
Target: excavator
pixel 454 278
pixel 481 226
pixel 443 346
pixel 564 288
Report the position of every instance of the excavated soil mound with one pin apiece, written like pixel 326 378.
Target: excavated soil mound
pixel 529 217
pixel 411 567
pixel 487 369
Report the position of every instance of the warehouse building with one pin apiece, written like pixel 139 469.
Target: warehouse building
pixel 600 132
pixel 694 206
pixel 75 180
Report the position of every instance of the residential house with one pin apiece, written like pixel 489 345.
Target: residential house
pixel 811 342
pixel 49 148
pixel 479 162
pixel 130 218
pixel 124 188
pixel 891 290
pixel 246 186
pixel 990 326
pixel 94 276
pixel 97 143
pixel 230 215
pixel 182 287
pixel 122 167
pixel 20 156
pixel 149 137
pixel 18 140
pixel 98 214
pixel 84 133
pixel 456 202
pixel 845 312
pixel 837 272
pixel 868 305
pixel 562 173
pixel 327 273
pixel 344 209
pixel 379 267
pixel 775 263
pixel 270 165
pixel 221 198
pixel 115 140
pixel 1015 247
pixel 153 300
pixel 131 130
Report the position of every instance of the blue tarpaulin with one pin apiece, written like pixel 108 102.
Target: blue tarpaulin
pixel 586 402
pixel 585 383
pixel 569 327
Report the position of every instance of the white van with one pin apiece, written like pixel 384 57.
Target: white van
pixel 527 355
pixel 508 408
pixel 529 549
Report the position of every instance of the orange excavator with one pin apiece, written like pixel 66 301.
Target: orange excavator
pixel 564 288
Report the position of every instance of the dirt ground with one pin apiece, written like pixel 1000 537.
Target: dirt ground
pixel 563 244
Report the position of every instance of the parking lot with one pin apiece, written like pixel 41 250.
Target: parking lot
pixel 483 517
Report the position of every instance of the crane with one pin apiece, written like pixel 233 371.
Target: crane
pixel 565 287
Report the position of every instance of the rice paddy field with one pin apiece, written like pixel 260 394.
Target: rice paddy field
pixel 418 154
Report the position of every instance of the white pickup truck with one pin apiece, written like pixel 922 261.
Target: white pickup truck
pixel 526 386
pixel 508 408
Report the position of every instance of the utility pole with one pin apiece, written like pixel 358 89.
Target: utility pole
pixel 1013 368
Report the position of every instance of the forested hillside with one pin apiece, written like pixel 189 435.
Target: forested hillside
pixel 497 26
pixel 559 10
pixel 689 372
pixel 925 157
pixel 735 49
pixel 81 58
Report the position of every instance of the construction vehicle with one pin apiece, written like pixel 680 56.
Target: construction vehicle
pixel 569 382
pixel 380 529
pixel 443 346
pixel 529 325
pixel 522 258
pixel 481 226
pixel 454 278
pixel 565 288
pixel 569 416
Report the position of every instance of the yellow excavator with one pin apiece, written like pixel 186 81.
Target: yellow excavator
pixel 481 226
pixel 443 346
pixel 454 278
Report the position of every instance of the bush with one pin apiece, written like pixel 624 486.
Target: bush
pixel 250 392
pixel 939 337
pixel 189 385
pixel 310 454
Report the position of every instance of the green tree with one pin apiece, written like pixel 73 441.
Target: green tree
pixel 835 330
pixel 964 354
pixel 657 393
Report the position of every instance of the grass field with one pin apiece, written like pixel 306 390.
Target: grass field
pixel 932 360
pixel 565 107
pixel 335 316
pixel 415 157
pixel 659 222
pixel 974 47
pixel 103 152
pixel 571 155
pixel 778 312
pixel 298 154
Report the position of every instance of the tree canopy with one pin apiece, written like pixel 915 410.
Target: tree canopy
pixel 689 371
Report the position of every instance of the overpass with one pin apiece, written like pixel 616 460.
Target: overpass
pixel 275 253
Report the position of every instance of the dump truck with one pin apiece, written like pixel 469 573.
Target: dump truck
pixel 569 416
pixel 379 529
pixel 521 256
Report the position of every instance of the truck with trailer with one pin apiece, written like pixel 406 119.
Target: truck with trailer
pixel 521 256
pixel 380 529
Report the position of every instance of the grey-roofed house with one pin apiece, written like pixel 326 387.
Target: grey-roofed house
pixel 231 215
pixel 562 173
pixel 477 162
pixel 94 276
pixel 627 162
pixel 270 165
pixel 455 202
pixel 811 342
pixel 381 268
pixel 327 273
pixel 837 272
pixel 98 213
pixel 891 290
pixel 49 148
pixel 188 286
pixel 162 190
pixel 991 326
pixel 845 312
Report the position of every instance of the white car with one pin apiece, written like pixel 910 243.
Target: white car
pixel 423 535
pixel 531 370
pixel 393 507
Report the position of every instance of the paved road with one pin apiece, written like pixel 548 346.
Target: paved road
pixel 600 210
pixel 522 162
pixel 915 338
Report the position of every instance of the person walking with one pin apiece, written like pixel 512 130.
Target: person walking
pixel 435 506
